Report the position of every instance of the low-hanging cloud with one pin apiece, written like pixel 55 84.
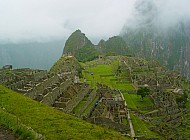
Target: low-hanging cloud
pixel 42 20
pixel 161 14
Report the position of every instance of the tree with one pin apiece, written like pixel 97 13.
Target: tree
pixel 181 100
pixel 143 92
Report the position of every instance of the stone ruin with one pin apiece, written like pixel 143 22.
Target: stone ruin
pixel 164 86
pixel 60 88
pixel 63 90
pixel 7 67
pixel 110 110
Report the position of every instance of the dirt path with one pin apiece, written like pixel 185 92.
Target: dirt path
pixel 6 135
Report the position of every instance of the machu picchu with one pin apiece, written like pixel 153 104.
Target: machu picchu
pixel 95 70
pixel 104 92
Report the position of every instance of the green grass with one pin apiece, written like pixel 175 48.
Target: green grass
pixel 141 129
pixel 106 81
pixel 78 107
pixel 102 69
pixel 87 110
pixel 184 129
pixel 135 102
pixel 51 123
pixel 130 103
pixel 125 87
pixel 185 84
pixel 146 102
pixel 125 121
pixel 11 122
pixel 104 74
pixel 97 71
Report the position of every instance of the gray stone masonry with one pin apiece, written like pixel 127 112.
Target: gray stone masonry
pixel 39 88
pixel 89 100
pixel 74 102
pixel 50 98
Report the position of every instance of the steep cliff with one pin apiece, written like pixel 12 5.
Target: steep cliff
pixel 114 45
pixel 151 37
pixel 80 46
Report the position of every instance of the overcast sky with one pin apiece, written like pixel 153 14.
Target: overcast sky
pixel 42 20
pixel 56 19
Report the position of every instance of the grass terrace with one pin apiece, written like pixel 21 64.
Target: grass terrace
pixel 142 130
pixel 15 109
pixel 104 74
pixel 135 102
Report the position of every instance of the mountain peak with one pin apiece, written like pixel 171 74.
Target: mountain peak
pixel 76 41
pixel 79 46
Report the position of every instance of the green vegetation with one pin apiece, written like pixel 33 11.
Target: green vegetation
pixel 182 100
pixel 45 120
pixel 86 53
pixel 141 44
pixel 147 102
pixel 125 86
pixel 143 92
pixel 76 41
pixel 141 128
pixel 81 47
pixel 78 107
pixel 93 74
pixel 67 62
pixel 184 129
pixel 104 74
pixel 135 103
pixel 11 122
pixel 130 103
pixel 87 110
pixel 56 67
pixel 114 46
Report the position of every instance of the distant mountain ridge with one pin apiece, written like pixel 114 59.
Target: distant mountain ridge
pixel 114 44
pixel 150 39
pixel 75 42
pixel 82 48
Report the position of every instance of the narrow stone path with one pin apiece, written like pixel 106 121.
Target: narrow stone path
pixel 132 134
pixel 131 125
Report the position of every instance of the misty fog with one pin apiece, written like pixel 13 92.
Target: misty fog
pixel 31 55
pixel 29 29
pixel 158 13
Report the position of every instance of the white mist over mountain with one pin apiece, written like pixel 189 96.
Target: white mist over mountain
pixel 42 20
pixel 32 33
pixel 159 29
pixel 158 13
